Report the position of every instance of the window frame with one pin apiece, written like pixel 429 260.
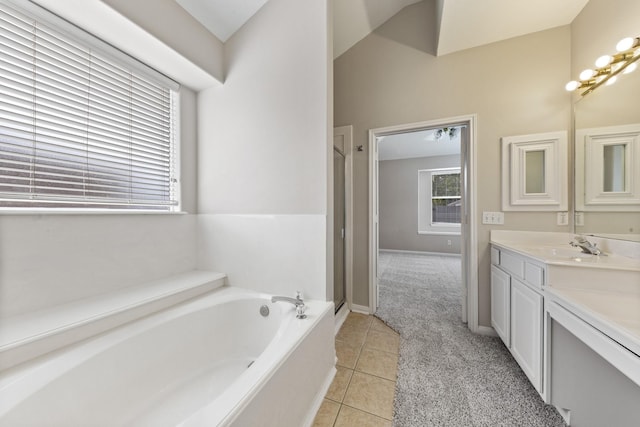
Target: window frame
pixel 425 204
pixel 121 59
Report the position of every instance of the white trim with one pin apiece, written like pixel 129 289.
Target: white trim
pixel 401 251
pixel 589 169
pixel 425 216
pixel 439 233
pixel 469 235
pixel 362 309
pixel 486 331
pixel 340 317
pixel 514 150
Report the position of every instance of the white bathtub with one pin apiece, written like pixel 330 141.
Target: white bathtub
pixel 211 361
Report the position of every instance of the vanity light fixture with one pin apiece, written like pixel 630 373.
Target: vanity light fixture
pixel 609 66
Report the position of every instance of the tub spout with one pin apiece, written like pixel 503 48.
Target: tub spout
pixel 297 301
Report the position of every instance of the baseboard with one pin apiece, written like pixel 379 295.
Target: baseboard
pixel 340 317
pixel 362 309
pixel 487 331
pixel 398 251
pixel 319 398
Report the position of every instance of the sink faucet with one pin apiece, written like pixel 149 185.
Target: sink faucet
pixel 586 246
pixel 297 301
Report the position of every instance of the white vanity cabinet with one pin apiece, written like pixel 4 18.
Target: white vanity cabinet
pixel 517 309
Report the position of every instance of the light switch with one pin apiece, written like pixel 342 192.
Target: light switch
pixel 496 218
pixel 563 218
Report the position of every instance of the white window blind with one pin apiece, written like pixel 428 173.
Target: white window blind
pixel 79 129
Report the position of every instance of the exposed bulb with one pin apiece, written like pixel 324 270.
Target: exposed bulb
pixel 630 68
pixel 587 74
pixel 625 44
pixel 572 85
pixel 603 61
pixel 611 81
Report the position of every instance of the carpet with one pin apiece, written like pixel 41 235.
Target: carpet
pixel 447 375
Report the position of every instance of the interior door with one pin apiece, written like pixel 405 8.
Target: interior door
pixel 339 285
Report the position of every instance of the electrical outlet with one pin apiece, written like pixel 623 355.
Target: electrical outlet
pixel 563 218
pixel 496 218
pixel 579 218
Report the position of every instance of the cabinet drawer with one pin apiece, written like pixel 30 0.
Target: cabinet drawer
pixel 513 264
pixel 534 275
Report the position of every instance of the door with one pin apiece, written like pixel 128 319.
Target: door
pixel 526 327
pixel 501 304
pixel 339 283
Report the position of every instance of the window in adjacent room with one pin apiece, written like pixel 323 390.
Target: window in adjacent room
pixel 83 126
pixel 439 204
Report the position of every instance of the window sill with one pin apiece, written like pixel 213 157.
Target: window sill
pixel 9 212
pixel 440 233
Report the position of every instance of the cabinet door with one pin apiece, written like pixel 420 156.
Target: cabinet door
pixel 500 303
pixel 526 327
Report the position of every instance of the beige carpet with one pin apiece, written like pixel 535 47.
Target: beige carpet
pixel 448 376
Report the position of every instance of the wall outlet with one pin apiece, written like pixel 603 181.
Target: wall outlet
pixel 448 242
pixel 579 218
pixel 563 218
pixel 496 218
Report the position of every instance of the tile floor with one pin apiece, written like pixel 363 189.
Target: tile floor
pixel 363 389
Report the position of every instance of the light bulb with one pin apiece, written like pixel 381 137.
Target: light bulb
pixel 572 85
pixel 587 74
pixel 625 44
pixel 611 81
pixel 630 68
pixel 603 61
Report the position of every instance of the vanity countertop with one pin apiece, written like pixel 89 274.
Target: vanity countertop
pixel 604 291
pixel 554 249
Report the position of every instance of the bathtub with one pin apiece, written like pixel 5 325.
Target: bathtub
pixel 211 361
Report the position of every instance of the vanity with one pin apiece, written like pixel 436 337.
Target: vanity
pixel 570 319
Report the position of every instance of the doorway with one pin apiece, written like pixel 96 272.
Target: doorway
pixel 468 244
pixel 343 218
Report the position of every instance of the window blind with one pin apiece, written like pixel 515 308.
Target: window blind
pixel 79 129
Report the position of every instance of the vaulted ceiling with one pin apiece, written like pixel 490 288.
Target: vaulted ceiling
pixel 462 23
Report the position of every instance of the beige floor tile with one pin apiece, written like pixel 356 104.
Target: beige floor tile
pixel 352 334
pixel 347 353
pixel 371 394
pixel 327 414
pixel 377 340
pixel 351 417
pixel 379 325
pixel 379 363
pixel 358 320
pixel 339 385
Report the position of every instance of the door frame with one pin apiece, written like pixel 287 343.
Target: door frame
pixel 469 236
pixel 347 133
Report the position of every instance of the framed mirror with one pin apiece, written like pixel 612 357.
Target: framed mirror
pixel 607 160
pixel 534 172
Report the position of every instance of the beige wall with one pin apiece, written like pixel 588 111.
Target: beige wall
pixel 398 206
pixel 515 87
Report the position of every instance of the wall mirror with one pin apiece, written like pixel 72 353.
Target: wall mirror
pixel 534 172
pixel 607 160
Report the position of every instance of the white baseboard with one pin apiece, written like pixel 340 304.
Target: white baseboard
pixel 487 331
pixel 398 251
pixel 341 316
pixel 362 309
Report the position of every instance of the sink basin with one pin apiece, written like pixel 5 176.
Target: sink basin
pixel 553 253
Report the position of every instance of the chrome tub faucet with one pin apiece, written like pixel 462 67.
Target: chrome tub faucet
pixel 586 246
pixel 297 301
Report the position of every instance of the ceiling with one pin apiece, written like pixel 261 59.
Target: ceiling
pixel 424 143
pixel 463 23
